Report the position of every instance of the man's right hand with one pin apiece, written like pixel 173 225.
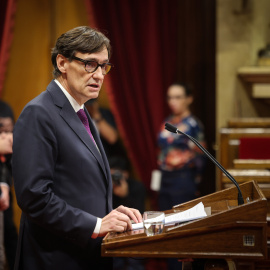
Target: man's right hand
pixel 115 221
pixel 118 220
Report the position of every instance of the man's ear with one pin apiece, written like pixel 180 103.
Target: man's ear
pixel 61 63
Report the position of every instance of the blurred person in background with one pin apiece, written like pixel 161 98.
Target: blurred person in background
pixel 5 149
pixel 126 189
pixel 105 123
pixel 130 192
pixel 181 162
pixel 10 232
pixel 6 141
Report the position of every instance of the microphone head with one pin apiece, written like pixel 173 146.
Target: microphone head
pixel 171 128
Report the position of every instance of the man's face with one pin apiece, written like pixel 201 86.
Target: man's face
pixel 80 84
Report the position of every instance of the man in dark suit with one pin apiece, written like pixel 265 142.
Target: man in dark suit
pixel 61 173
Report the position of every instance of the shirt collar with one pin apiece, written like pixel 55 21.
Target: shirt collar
pixel 72 101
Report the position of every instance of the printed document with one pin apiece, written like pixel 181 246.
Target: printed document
pixel 193 213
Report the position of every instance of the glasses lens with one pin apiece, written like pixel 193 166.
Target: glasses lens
pixel 106 68
pixel 91 66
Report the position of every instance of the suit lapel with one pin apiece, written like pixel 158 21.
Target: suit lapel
pixel 72 119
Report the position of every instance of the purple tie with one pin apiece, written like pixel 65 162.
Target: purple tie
pixel 83 117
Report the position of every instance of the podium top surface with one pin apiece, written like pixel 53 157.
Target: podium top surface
pixel 227 218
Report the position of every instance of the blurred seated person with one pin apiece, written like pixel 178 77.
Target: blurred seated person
pixel 126 190
pixel 6 128
pixel 130 192
pixel 10 232
pixel 6 141
pixel 106 126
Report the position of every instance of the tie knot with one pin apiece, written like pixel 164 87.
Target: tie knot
pixel 82 115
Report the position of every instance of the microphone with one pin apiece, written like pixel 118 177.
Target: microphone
pixel 174 129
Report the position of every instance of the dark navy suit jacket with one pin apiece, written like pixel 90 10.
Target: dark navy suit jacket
pixel 62 183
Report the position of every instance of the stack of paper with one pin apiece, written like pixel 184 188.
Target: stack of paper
pixel 191 214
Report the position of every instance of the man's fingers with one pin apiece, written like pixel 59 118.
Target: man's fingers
pixel 133 217
pixel 137 214
pixel 115 221
pixel 121 226
pixel 131 212
pixel 124 220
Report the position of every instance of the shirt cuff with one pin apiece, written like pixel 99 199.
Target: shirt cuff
pixel 97 228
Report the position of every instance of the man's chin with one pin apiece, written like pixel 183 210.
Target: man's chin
pixel 93 94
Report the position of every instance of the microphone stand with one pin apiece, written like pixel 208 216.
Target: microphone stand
pixel 173 129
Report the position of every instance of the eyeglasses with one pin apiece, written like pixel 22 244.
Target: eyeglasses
pixel 92 65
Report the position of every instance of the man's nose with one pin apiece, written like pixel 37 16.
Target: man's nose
pixel 98 73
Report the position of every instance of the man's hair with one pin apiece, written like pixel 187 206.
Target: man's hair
pixel 80 39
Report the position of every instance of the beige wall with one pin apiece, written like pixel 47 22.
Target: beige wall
pixel 240 34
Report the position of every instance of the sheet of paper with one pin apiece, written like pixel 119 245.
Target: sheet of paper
pixel 191 214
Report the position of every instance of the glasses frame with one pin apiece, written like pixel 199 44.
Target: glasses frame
pixel 89 61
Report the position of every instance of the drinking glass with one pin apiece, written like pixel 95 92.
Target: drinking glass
pixel 153 222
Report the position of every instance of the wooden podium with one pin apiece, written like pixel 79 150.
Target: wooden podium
pixel 229 231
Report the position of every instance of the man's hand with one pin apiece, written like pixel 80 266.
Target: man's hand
pixel 118 220
pixel 4 199
pixel 131 212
